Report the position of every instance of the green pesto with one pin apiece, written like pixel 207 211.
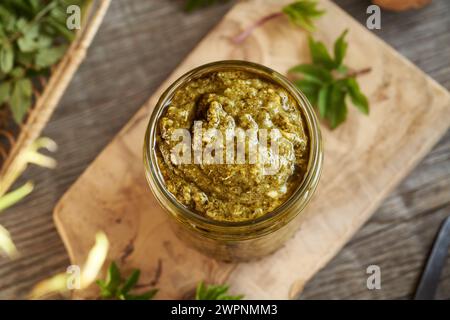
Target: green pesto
pixel 229 100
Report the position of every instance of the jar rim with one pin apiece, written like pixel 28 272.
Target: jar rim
pixel 310 179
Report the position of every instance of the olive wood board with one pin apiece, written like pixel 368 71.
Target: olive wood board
pixel 365 158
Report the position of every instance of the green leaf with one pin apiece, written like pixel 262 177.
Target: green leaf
pixel 29 40
pixel 21 25
pixel 59 14
pixel 214 292
pixel 322 101
pixel 47 57
pixel 148 295
pixel 340 49
pixel 320 55
pixel 337 108
pixel 21 99
pixel 5 92
pixel 326 82
pixel 17 73
pixel 113 278
pixel 104 291
pixel 313 73
pixel 44 41
pixel 27 87
pixel 8 19
pixel 309 88
pixel 27 44
pixel 131 282
pixel 34 5
pixel 301 13
pixel 60 28
pixel 238 297
pixel 357 97
pixel 6 57
pixel 201 291
pixel 114 288
pixel 25 59
pixel 342 69
pixel 5 14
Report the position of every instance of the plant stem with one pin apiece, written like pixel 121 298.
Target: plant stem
pixel 7 246
pixel 351 73
pixel 14 196
pixel 356 73
pixel 248 31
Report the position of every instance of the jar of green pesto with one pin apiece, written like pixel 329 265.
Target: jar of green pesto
pixel 233 153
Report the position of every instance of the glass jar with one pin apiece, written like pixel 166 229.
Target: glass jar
pixel 244 240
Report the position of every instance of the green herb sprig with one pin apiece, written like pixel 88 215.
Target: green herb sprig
pixel 115 287
pixel 33 37
pixel 300 13
pixel 327 82
pixel 214 292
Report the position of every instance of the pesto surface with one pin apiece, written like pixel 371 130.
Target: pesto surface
pixel 226 101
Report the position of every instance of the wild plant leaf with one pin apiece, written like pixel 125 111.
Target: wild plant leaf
pixel 110 286
pixel 113 278
pixel 34 5
pixel 34 37
pixel 21 98
pixel 28 42
pixel 17 73
pixel 5 91
pixel 59 28
pixel 25 59
pixel 336 111
pixel 6 57
pixel 327 82
pixel 104 290
pixel 214 292
pixel 47 57
pixel 313 73
pixel 302 13
pixel 148 295
pixel 130 282
pixel 319 54
pixel 357 97
pixel 340 49
pixel 322 100
pixel 309 88
pixel 114 287
pixel 7 17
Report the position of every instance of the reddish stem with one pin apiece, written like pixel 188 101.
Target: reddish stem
pixel 248 31
pixel 355 73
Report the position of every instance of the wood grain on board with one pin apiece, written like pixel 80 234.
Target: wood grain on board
pixel 364 159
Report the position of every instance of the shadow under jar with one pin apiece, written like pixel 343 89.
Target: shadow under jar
pixel 232 222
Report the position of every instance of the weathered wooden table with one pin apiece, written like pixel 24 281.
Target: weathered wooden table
pixel 138 45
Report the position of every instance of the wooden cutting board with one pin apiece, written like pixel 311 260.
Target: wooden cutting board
pixel 364 159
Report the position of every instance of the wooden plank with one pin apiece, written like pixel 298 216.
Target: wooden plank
pixel 365 159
